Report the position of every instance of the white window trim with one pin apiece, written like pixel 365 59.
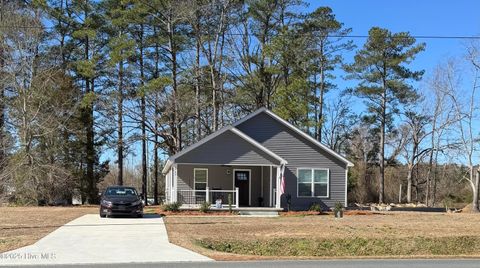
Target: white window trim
pixel 195 180
pixel 313 187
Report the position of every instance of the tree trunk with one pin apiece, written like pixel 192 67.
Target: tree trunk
pixel 2 111
pixel 409 183
pixel 381 183
pixel 198 126
pixel 143 125
pixel 315 108
pixel 175 128
pixel 90 146
pixel 322 92
pixel 434 179
pixel 155 162
pixel 157 112
pixel 120 124
pixel 474 183
pixel 214 98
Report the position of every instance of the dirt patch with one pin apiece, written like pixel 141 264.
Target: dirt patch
pixel 397 226
pixel 22 226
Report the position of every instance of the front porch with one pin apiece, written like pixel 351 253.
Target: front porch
pixel 241 187
pixel 227 169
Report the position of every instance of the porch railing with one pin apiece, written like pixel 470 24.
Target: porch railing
pixel 195 198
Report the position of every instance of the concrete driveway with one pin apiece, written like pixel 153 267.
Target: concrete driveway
pixel 91 239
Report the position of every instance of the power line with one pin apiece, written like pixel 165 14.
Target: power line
pixel 471 37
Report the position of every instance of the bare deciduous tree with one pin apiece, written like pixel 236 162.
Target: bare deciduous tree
pixel 465 103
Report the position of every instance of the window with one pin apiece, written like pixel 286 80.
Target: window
pixel 241 176
pixel 200 177
pixel 313 182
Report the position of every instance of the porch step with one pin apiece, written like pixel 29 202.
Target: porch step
pixel 258 213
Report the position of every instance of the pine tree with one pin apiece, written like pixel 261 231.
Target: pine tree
pixel 383 81
pixel 325 38
pixel 121 48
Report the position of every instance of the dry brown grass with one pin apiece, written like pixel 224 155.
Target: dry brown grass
pixel 185 231
pixel 22 226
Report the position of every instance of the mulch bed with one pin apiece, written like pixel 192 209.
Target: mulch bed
pixel 182 213
pixel 360 212
pixel 300 213
pixel 315 213
pixel 214 213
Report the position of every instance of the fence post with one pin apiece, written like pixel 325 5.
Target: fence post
pixel 236 197
pixel 207 192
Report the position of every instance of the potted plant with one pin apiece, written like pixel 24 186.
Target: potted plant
pixel 338 210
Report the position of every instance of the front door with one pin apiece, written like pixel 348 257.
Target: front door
pixel 242 181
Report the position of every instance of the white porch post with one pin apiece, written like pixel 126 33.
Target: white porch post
pixel 270 192
pixel 175 182
pixel 167 188
pixel 278 193
pixel 172 199
pixel 236 198
pixel 207 194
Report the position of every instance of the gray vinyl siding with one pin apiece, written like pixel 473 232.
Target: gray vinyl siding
pixel 219 179
pixel 227 148
pixel 299 153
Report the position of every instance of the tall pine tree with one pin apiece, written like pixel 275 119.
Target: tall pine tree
pixel 380 67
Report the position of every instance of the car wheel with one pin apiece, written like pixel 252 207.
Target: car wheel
pixel 140 216
pixel 103 215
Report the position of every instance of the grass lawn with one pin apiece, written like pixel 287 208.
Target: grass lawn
pixel 22 226
pixel 377 235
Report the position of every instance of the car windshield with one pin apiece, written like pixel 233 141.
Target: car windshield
pixel 121 191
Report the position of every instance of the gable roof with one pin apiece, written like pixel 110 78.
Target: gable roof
pixel 292 127
pixel 212 136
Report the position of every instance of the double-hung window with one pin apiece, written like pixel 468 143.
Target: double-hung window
pixel 313 182
pixel 200 177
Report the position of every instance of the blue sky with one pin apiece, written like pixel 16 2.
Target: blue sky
pixel 419 17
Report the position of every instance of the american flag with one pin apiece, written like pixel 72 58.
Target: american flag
pixel 282 184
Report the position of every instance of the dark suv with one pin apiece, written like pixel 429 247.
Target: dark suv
pixel 121 201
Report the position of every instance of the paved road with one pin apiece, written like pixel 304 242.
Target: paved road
pixel 468 263
pixel 91 239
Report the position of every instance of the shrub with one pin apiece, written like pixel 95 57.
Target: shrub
pixel 447 203
pixel 338 207
pixel 174 207
pixel 205 206
pixel 315 207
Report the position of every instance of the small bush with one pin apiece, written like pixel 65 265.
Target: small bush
pixel 315 207
pixel 205 206
pixel 448 203
pixel 338 207
pixel 173 207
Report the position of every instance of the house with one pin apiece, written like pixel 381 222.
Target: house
pixel 243 164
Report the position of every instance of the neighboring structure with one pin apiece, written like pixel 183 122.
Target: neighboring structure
pixel 246 161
